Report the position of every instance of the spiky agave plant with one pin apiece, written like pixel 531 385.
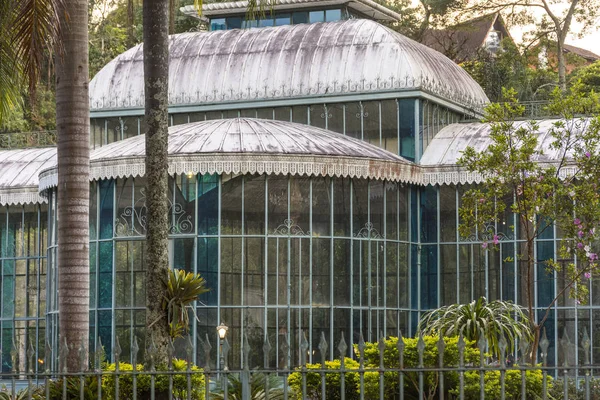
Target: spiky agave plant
pixel 491 319
pixel 183 288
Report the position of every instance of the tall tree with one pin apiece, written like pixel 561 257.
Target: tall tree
pixel 562 192
pixel 556 21
pixel 156 86
pixel 73 152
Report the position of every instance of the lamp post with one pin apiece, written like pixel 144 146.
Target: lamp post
pixel 222 331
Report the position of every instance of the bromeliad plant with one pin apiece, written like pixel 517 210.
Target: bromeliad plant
pixel 479 318
pixel 183 288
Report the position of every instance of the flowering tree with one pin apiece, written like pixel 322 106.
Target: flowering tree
pixel 557 188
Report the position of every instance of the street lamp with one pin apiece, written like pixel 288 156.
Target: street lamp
pixel 222 331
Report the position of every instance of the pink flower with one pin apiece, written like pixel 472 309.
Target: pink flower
pixel 496 239
pixel 481 201
pixel 587 154
pixel 484 245
pixel 588 275
pixel 580 245
pixel 577 221
pixel 593 257
pixel 580 234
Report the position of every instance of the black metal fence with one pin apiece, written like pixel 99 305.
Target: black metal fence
pixel 392 368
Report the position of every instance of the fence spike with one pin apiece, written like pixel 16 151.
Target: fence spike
pixel 246 352
pixel 342 347
pixel 207 349
pixel 135 349
pixel 48 356
pixel 64 354
pixel 31 357
pixel 14 356
pixel 83 355
pixel 544 344
pixel 524 348
pixel 117 351
pixel 421 349
pixel 381 346
pixel 585 343
pixel 266 351
pixel 461 349
pixel 99 353
pixel 303 349
pixel 323 348
pixel 502 345
pixel 226 347
pixel 565 343
pixel 150 354
pixel 285 349
pixel 401 345
pixel 441 346
pixel 361 349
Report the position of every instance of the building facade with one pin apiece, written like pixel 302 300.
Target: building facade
pixel 313 185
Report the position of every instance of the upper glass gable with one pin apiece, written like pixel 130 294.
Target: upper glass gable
pixel 280 18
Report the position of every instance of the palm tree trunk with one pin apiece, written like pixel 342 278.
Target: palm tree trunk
pixel 73 128
pixel 156 77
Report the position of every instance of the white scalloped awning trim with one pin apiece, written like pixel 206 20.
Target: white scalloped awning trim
pixel 269 164
pixel 21 196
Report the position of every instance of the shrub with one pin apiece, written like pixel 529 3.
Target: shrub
pixel 161 383
pixel 512 384
pixel 333 381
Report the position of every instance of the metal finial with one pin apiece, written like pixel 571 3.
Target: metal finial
pixel 342 347
pixel 323 347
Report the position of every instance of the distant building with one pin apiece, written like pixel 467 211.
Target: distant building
pixel 465 41
pixel 575 57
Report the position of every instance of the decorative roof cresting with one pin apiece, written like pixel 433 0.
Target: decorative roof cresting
pixel 306 60
pixel 249 146
pixel 19 171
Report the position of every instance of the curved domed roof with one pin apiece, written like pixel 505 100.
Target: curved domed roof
pixel 246 145
pixel 19 170
pixel 318 59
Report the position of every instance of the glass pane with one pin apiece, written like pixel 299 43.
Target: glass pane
pixel 407 128
pixel 448 209
pixel 264 113
pixel 179 119
pixel 316 16
pixel 335 118
pixel 283 113
pixel 105 283
pixel 208 204
pixel 93 210
pixel 182 254
pixel 391 210
pixel 371 122
pixel 231 207
pixel 218 24
pixel 300 17
pixel 389 126
pixel 231 272
pixel 277 203
pixel 321 206
pixel 183 211
pixel 124 189
pixel 341 207
pixel 299 205
pixel 300 114
pixel 353 120
pixel 234 22
pixel 254 204
pixel 254 273
pixel 282 19
pixel 342 268
pixel 321 269
pixel 333 15
pixel 318 115
pixel 360 207
pixel 376 198
pixel 106 209
pixel 448 277
pixel 208 249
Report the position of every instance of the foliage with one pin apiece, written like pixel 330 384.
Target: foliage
pixel 23 394
pixel 259 382
pixel 588 78
pixel 512 384
pixel 479 317
pixel 332 381
pixel 539 194
pixel 183 288
pixel 161 382
pixel 73 389
pixel 556 392
pixel 509 68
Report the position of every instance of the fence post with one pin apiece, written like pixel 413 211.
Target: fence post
pixel 420 352
pixel 381 346
pixel 135 348
pixel 303 350
pixel 285 349
pixel 117 355
pixel 481 345
pixel 441 346
pixel 150 356
pixel 502 345
pixel 524 348
pixel 565 342
pixel 207 348
pixel 342 348
pixel 189 356
pixel 83 366
pixel 323 350
pixel 544 343
pixel 48 362
pixel 170 353
pixel 31 362
pixel 225 351
pixel 585 343
pixel 64 354
pixel 246 372
pixel 15 367
pixel 401 347
pixel 361 367
pixel 461 365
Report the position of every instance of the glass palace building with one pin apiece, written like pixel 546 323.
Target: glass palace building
pixel 313 185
